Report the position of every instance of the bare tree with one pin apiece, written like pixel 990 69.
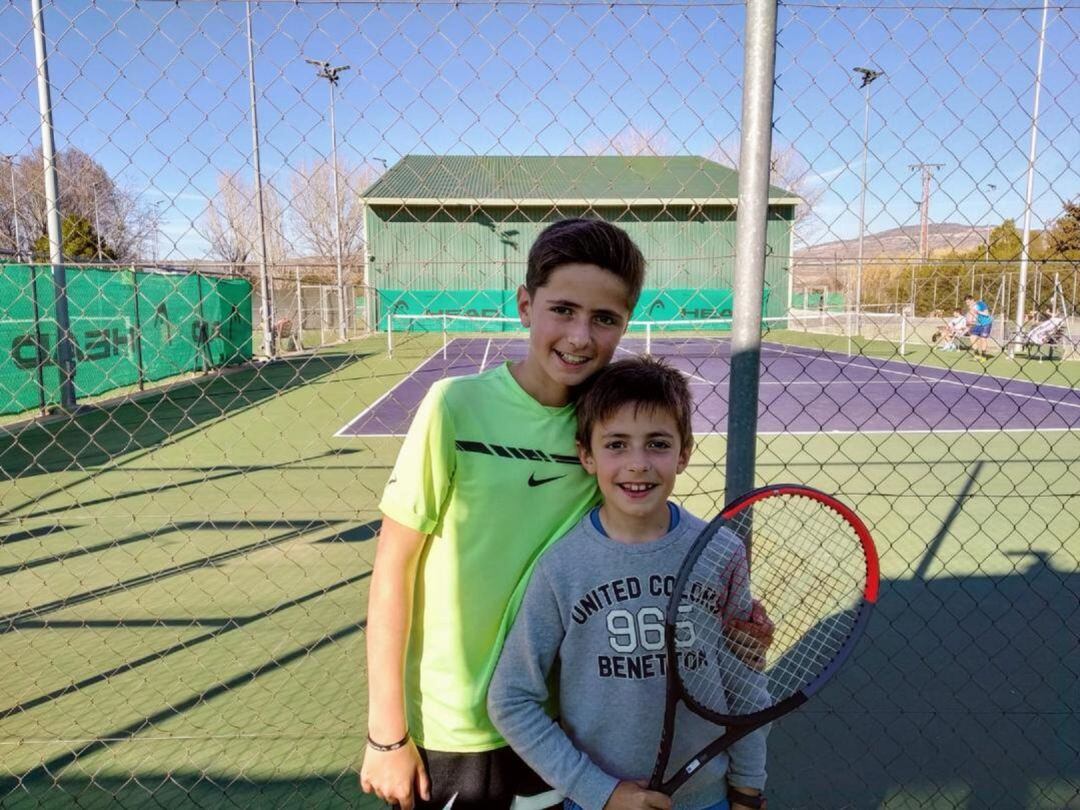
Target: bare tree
pixel 790 171
pixel 632 142
pixel 125 223
pixel 311 212
pixel 230 224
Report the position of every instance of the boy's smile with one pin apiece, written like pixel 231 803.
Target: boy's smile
pixel 575 322
pixel 635 456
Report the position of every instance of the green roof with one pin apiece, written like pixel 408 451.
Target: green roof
pixel 534 180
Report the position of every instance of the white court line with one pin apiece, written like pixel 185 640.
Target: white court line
pixel 780 349
pixel 928 431
pixel 487 348
pixel 684 373
pixel 967 385
pixel 341 432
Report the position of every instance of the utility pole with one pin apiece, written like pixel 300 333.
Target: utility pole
pixel 868 77
pixel 927 170
pixel 332 74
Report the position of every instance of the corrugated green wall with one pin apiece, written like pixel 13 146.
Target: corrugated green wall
pixel 430 248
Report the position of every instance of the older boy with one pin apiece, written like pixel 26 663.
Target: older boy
pixel 486 477
pixel 593 616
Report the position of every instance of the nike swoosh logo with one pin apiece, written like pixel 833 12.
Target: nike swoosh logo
pixel 535 482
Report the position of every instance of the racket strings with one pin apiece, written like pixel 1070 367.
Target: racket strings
pixel 809 572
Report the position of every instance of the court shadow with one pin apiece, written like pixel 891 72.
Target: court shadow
pixel 36 532
pixel 276 531
pixel 96 435
pixel 357 534
pixel 222 627
pixel 177 789
pixel 963 693
pixel 40 787
pixel 203 475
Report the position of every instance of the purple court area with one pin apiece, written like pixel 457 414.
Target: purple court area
pixel 803 390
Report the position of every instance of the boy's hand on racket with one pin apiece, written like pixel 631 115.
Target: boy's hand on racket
pixel 751 638
pixel 396 777
pixel 636 796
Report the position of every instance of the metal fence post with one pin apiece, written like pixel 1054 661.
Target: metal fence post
pixel 752 218
pixel 65 355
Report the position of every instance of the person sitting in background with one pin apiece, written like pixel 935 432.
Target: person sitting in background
pixel 955 328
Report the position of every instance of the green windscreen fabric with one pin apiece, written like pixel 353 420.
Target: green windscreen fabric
pixel 671 309
pixel 126 327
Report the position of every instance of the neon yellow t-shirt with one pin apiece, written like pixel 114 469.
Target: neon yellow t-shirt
pixel 492 476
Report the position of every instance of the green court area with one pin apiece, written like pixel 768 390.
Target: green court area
pixel 185 581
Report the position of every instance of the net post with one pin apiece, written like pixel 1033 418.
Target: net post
pixel 390 334
pixel 444 336
pixel 648 338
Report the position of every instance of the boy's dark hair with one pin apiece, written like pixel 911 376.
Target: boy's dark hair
pixel 586 241
pixel 644 382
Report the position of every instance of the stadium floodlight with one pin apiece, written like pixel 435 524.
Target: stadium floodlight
pixel 332 74
pixel 869 75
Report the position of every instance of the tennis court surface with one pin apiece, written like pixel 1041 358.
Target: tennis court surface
pixel 186 577
pixel 802 390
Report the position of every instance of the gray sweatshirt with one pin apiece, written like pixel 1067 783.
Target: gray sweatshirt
pixel 592 624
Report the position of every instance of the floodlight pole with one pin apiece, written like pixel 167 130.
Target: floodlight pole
pixel 990 226
pixel 1025 251
pixel 65 356
pixel 14 205
pixel 331 74
pixel 868 77
pixel 267 313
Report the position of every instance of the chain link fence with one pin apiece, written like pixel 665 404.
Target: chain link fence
pixel 186 553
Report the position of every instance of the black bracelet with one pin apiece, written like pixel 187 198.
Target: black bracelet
pixel 392 747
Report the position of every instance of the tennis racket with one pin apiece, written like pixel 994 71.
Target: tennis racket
pixel 815 571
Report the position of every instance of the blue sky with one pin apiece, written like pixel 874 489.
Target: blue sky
pixel 157 92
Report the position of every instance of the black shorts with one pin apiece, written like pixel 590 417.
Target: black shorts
pixel 487 780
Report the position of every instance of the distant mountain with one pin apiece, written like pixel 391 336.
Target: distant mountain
pixel 903 242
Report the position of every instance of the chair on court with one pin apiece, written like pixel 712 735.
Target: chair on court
pixel 1047 334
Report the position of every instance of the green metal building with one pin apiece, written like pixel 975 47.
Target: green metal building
pixel 450 234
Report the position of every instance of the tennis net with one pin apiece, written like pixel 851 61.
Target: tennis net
pixel 688 337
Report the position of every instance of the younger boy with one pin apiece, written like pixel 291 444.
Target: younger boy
pixel 593 616
pixel 486 477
